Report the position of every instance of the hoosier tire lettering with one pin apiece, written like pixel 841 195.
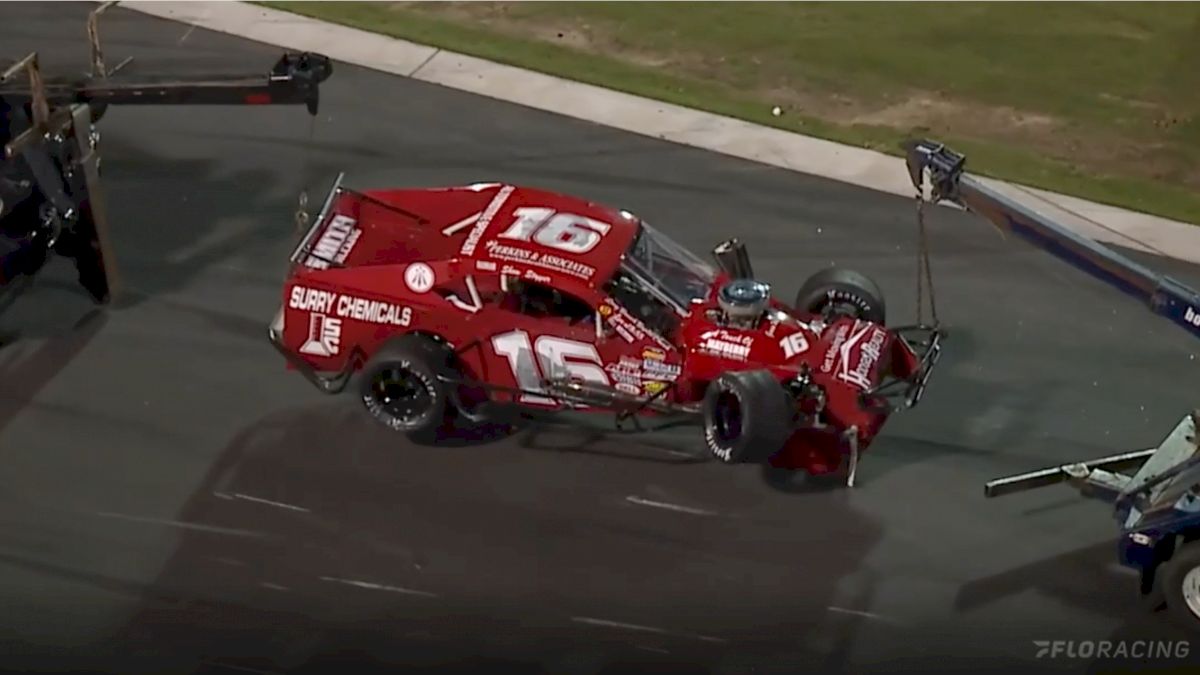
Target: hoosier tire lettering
pixel 747 416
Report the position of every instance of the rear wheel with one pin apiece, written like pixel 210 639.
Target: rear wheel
pixel 747 416
pixel 1181 585
pixel 843 292
pixel 400 385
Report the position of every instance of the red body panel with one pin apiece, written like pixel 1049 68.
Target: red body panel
pixel 436 261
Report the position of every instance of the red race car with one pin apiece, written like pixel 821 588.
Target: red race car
pixel 455 304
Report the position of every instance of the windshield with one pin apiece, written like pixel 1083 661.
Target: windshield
pixel 669 269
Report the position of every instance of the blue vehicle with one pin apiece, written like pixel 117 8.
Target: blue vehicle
pixel 1155 493
pixel 1156 501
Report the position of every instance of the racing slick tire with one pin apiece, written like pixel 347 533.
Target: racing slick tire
pixel 843 291
pixel 1180 584
pixel 747 416
pixel 400 387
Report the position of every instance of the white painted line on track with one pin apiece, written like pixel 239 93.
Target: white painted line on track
pixel 655 650
pixel 861 613
pixel 268 502
pixel 238 669
pixel 182 525
pixel 669 507
pixel 606 623
pixel 380 587
pixel 190 29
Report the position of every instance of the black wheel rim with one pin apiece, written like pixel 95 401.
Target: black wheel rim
pixel 845 308
pixel 728 417
pixel 401 394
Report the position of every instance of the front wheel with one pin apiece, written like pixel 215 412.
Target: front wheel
pixel 839 291
pixel 747 416
pixel 1181 585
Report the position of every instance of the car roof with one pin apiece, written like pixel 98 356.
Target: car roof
pixel 569 239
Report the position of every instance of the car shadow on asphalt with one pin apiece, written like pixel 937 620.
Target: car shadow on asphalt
pixel 24 373
pixel 322 496
pixel 572 433
pixel 1089 579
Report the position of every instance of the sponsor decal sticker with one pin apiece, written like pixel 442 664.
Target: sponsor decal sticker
pixel 843 348
pixel 324 336
pixel 349 307
pixel 660 370
pixel 548 261
pixel 485 265
pixel 629 327
pixel 335 244
pixel 419 277
pixel 627 388
pixel 838 339
pixel 726 345
pixel 654 387
pixel 625 371
pixel 794 345
pixel 468 247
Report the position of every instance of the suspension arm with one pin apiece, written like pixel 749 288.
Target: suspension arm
pixel 944 170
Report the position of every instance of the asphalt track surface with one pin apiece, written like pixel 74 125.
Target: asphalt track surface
pixel 173 501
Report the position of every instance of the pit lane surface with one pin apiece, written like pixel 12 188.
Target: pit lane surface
pixel 173 500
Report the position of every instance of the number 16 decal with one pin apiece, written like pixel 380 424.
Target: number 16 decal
pixel 550 362
pixel 563 231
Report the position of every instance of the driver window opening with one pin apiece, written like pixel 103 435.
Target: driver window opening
pixel 540 301
pixel 654 313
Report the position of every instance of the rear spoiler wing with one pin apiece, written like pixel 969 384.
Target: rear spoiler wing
pixel 306 250
pixel 943 169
